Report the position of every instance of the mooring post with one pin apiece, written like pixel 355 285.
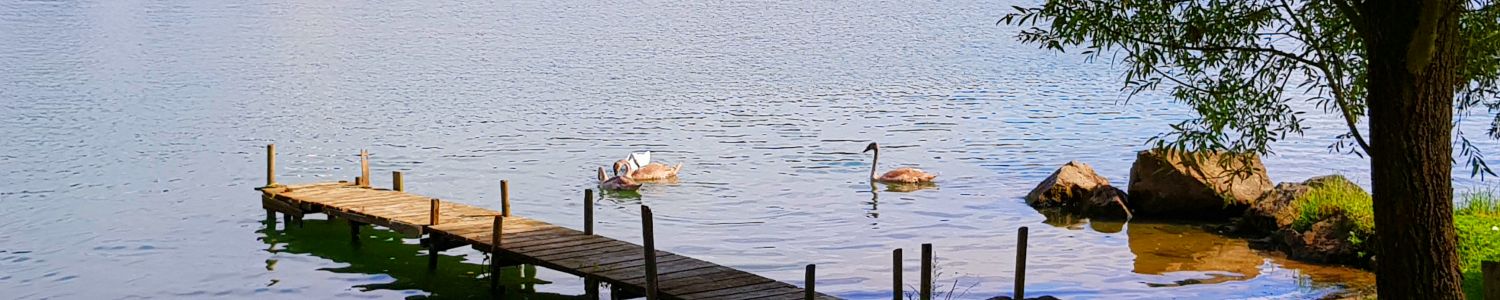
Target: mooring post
pixel 364 168
pixel 588 211
pixel 396 183
pixel 505 198
pixel 270 164
pixel 1491 281
pixel 1021 264
pixel 926 291
pixel 495 231
pixel 896 275
pixel 808 292
pixel 432 215
pixel 650 243
pixel 591 288
pixel 432 239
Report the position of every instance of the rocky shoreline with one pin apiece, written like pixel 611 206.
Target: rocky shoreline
pixel 1229 191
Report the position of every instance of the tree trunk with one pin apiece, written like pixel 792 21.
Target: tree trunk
pixel 1414 52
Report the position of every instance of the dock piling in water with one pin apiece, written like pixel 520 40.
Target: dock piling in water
pixel 812 279
pixel 650 244
pixel 396 184
pixel 1021 263
pixel 495 230
pixel 588 211
pixel 505 198
pixel 270 165
pixel 926 291
pixel 896 274
pixel 364 168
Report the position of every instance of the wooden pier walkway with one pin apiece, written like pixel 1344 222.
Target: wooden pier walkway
pixel 449 224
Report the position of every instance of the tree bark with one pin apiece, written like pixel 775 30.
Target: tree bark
pixel 1414 52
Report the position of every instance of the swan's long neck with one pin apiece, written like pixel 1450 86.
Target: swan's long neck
pixel 874 163
pixel 601 174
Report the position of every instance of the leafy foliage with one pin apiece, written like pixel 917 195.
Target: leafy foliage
pixel 1239 64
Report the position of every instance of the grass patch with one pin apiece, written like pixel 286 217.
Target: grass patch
pixel 1477 221
pixel 1335 196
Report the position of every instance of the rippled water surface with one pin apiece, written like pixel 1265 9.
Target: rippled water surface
pixel 134 134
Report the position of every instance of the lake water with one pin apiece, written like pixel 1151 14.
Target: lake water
pixel 135 131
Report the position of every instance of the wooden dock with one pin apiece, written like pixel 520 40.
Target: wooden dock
pixel 519 240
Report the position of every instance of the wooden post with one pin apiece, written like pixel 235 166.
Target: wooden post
pixel 354 231
pixel 650 243
pixel 591 288
pixel 270 164
pixel 364 168
pixel 1491 279
pixel 432 215
pixel 926 291
pixel 808 292
pixel 896 275
pixel 396 183
pixel 357 180
pixel 271 219
pixel 495 231
pixel 505 198
pixel 588 211
pixel 432 239
pixel 1021 264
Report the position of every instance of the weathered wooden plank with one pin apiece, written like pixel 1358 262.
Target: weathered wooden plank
pixel 684 268
pixel 690 285
pixel 279 206
pixel 577 243
pixel 785 293
pixel 738 289
pixel 552 242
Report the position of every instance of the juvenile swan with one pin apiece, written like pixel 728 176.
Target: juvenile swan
pixel 650 171
pixel 900 175
pixel 617 183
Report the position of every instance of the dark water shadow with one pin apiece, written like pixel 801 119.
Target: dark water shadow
pixel 382 252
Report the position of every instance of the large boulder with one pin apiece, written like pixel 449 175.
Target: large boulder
pixel 1195 185
pixel 1277 209
pixel 1075 187
pixel 1274 210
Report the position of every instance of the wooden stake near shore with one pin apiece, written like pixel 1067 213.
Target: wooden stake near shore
pixel 650 244
pixel 896 293
pixel 1021 264
pixel 926 291
pixel 588 211
pixel 811 282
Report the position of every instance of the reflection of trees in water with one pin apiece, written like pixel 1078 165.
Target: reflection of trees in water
pixel 383 252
